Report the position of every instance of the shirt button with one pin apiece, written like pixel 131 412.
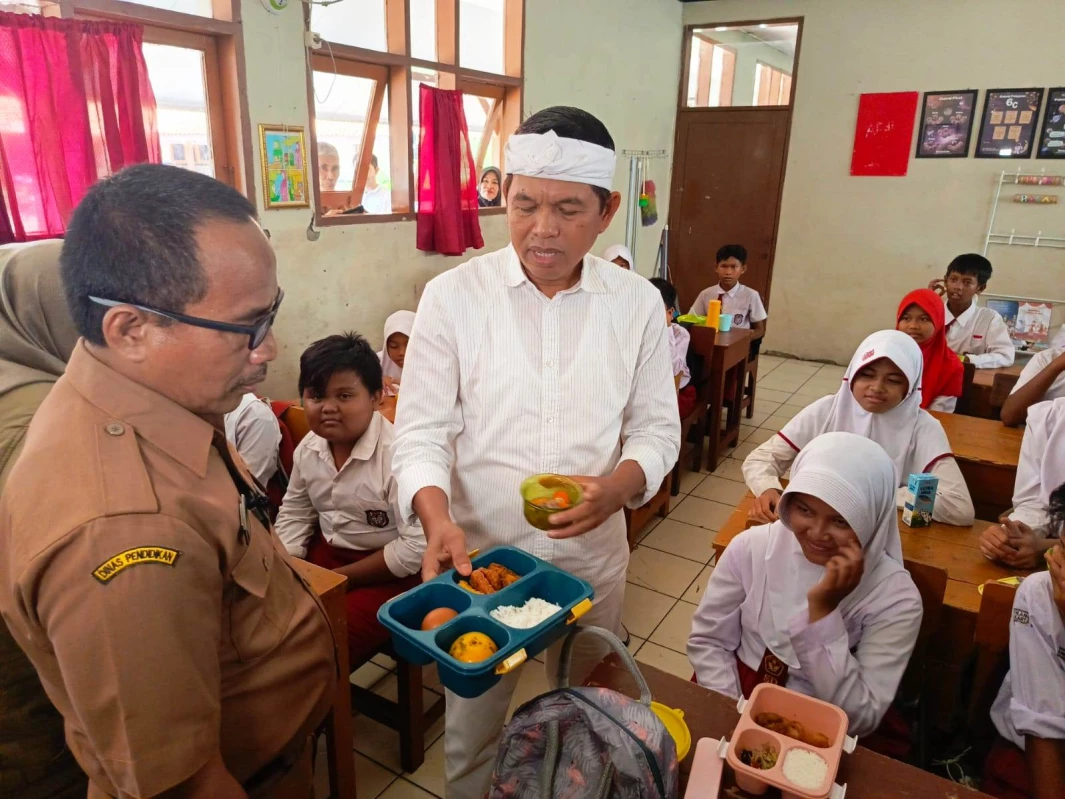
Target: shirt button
pixel 550 420
pixel 114 429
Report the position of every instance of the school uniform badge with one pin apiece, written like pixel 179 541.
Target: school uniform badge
pixel 114 566
pixel 1021 617
pixel 377 518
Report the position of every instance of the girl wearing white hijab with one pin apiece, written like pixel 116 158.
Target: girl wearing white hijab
pixel 1021 540
pixel 394 352
pixel 880 398
pixel 620 255
pixel 818 600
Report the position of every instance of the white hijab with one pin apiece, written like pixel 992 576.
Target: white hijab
pixel 855 477
pixel 399 322
pixel 912 438
pixel 618 250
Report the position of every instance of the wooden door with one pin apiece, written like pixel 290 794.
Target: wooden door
pixel 728 173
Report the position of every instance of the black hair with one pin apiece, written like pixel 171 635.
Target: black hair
pixel 972 264
pixel 346 352
pixel 737 251
pixel 665 288
pixel 1056 509
pixel 132 239
pixel 569 123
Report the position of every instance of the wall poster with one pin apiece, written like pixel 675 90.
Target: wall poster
pixel 1052 134
pixel 1008 127
pixel 946 124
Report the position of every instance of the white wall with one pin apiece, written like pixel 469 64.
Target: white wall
pixel 849 248
pixel 354 276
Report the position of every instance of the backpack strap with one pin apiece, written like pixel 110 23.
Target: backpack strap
pixel 565 660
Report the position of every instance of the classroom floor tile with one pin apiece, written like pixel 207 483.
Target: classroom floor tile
pixel 729 470
pixel 718 489
pixel 695 590
pixel 401 789
pixel 532 682
pixel 430 775
pixel 678 538
pixel 769 395
pixel 667 574
pixel 644 609
pixel 368 675
pixel 690 481
pixel 760 436
pixel 673 632
pixel 702 513
pixel 666 659
pixel 741 452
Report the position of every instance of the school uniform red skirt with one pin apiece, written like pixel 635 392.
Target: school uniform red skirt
pixel 1006 772
pixel 365 633
pixel 686 400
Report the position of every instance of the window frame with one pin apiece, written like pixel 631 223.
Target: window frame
pixel 220 38
pixel 507 89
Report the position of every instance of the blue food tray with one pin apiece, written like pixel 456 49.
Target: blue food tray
pixel 403 617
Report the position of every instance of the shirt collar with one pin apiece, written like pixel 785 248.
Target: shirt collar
pixel 591 279
pixel 963 319
pixel 364 447
pixel 160 421
pixel 732 292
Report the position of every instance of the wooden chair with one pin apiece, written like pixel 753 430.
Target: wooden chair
pixel 658 505
pixel 965 400
pixel 931 582
pixel 1001 388
pixel 693 426
pixel 992 642
pixel 752 378
pixel 406 715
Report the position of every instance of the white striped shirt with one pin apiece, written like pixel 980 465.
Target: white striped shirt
pixel 501 382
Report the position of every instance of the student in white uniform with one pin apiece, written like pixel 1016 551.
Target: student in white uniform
pixel 743 302
pixel 819 600
pixel 620 255
pixel 1021 540
pixel 1029 712
pixel 975 332
pixel 341 508
pixel 880 398
pixel 1042 379
pixel 393 352
pixel 537 358
pixel 253 429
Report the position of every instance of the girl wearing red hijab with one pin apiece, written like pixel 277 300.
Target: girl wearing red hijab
pixel 921 317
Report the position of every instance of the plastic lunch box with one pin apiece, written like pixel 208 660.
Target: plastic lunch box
pixel 818 716
pixel 403 615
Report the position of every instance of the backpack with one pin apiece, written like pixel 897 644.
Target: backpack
pixel 586 742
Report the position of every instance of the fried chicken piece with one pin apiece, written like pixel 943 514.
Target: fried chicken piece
pixel 766 719
pixel 480 582
pixel 509 577
pixel 817 739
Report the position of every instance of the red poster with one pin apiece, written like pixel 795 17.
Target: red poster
pixel 884 133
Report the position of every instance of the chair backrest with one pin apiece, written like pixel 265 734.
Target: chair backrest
pixel 296 420
pixel 931 583
pixel 1001 387
pixel 965 400
pixel 992 642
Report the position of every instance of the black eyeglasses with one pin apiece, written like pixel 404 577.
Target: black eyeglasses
pixel 256 332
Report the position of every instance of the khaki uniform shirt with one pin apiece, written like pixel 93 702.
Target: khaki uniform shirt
pixel 161 632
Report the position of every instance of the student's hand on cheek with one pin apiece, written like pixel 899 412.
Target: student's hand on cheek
pixel 764 510
pixel 842 575
pixel 939 286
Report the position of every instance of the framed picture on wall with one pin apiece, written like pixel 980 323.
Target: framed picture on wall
pixel 1008 126
pixel 946 124
pixel 283 157
pixel 1052 134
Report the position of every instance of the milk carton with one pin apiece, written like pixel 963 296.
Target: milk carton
pixel 920 500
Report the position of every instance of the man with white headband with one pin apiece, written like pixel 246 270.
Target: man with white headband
pixel 537 358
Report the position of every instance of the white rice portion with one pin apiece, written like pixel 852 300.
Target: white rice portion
pixel 534 611
pixel 805 769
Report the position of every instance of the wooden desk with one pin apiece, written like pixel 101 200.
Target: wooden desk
pixel 330 588
pixel 726 360
pixel 980 391
pixel 987 453
pixel 711 715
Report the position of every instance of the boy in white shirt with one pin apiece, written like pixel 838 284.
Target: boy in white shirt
pixel 341 511
pixel 975 332
pixel 679 339
pixel 253 429
pixel 743 302
pixel 1042 379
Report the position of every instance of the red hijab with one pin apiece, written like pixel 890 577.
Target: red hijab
pixel 944 374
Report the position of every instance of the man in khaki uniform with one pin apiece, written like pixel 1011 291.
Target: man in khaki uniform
pixel 136 570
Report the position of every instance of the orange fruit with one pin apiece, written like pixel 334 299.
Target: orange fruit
pixel 473 648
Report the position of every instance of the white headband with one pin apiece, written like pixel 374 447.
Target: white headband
pixel 548 155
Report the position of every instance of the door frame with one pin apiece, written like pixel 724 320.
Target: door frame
pixel 676 179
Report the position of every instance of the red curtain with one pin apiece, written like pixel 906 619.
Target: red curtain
pixel 76 106
pixel 447 185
